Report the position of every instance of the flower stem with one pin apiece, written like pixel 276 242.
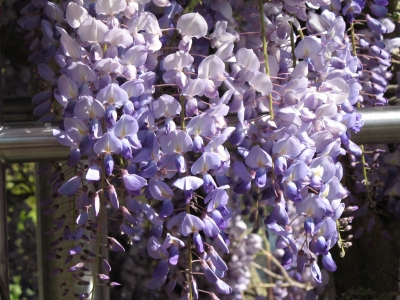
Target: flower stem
pixel 183 125
pixel 365 175
pixel 340 241
pixel 292 44
pixel 264 38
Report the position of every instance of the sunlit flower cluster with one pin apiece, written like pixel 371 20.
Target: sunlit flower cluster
pixel 178 110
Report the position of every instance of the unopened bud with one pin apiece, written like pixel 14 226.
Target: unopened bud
pixel 379 151
pixel 349 237
pixel 348 228
pixel 347 244
pixel 351 208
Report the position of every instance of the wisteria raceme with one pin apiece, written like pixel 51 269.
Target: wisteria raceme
pixel 178 110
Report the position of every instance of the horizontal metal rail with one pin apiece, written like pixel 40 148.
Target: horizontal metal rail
pixel 34 142
pixel 381 125
pixel 27 142
pixel 30 142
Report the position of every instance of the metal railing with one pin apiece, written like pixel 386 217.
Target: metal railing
pixel 34 142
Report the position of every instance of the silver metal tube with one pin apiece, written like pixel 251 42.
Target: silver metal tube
pixel 23 142
pixel 34 142
pixel 381 125
pixel 49 285
pixel 29 142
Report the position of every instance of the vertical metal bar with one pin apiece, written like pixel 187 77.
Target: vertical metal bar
pixel 49 286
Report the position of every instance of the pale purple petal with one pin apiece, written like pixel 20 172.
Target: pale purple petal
pixel 155 250
pixel 88 108
pixel 126 126
pixel 136 56
pixel 161 269
pixel 166 106
pixel 159 190
pixel 113 94
pixel 177 61
pixel 261 82
pixel 80 72
pixel 134 88
pixel 176 142
pixel 70 46
pixel 113 196
pixel 258 158
pixel 212 67
pixel 210 227
pixel 290 147
pixel 191 224
pixel 107 7
pixel 108 143
pixel 108 66
pixel 328 263
pixel 247 59
pixel 209 160
pixel 118 37
pixel 198 242
pixel 202 125
pixel 307 47
pixel 92 30
pixel 75 15
pixel 151 215
pixel 82 218
pixel 188 183
pixel 67 87
pixel 75 128
pixel 147 22
pixel 315 271
pixel 193 25
pixel 133 182
pixel 70 187
pixel 223 287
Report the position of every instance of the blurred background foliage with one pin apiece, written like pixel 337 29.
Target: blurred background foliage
pixel 22 219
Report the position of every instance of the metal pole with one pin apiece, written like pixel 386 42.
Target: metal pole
pixel 30 142
pixel 27 142
pixel 50 287
pixel 381 126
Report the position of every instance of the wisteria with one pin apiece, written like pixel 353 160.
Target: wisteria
pixel 211 133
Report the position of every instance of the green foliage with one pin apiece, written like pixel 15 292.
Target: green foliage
pixel 20 189
pixel 16 290
pixel 20 182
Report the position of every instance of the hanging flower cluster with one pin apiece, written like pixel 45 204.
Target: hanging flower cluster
pixel 179 110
